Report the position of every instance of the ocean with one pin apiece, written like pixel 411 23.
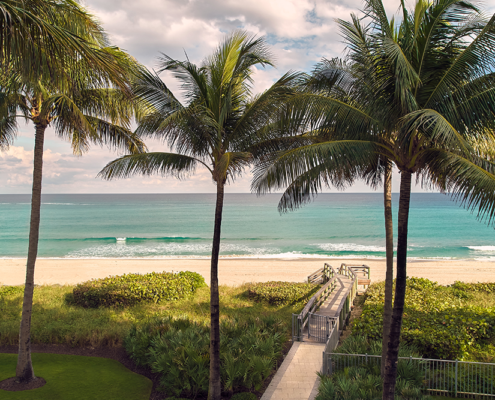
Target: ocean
pixel 341 225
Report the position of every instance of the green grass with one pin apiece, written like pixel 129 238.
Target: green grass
pixel 77 378
pixel 56 322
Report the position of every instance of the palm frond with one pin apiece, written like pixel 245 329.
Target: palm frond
pixel 164 164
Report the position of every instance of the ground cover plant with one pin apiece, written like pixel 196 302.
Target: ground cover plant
pixel 77 378
pixel 178 349
pixel 131 289
pixel 282 293
pixel 449 322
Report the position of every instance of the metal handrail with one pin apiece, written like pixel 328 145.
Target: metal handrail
pixel 447 377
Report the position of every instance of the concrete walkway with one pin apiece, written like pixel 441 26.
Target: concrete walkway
pixel 296 378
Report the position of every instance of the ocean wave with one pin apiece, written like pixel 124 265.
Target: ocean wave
pixel 164 249
pixel 482 248
pixel 351 247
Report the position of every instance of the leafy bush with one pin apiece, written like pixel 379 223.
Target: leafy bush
pixel 364 383
pixel 9 290
pixel 474 287
pixel 178 349
pixel 130 289
pixel 438 321
pixel 282 293
pixel 244 396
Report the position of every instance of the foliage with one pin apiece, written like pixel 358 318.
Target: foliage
pixel 465 288
pixel 442 322
pixel 55 321
pixel 281 293
pixel 364 383
pixel 244 396
pixel 178 349
pixel 76 377
pixel 8 290
pixel 130 289
pixel 359 344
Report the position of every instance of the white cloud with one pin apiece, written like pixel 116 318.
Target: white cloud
pixel 300 33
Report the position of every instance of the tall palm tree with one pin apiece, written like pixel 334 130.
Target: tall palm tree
pixel 429 88
pixel 47 37
pixel 83 111
pixel 215 128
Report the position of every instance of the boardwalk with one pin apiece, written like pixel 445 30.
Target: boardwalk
pixel 296 378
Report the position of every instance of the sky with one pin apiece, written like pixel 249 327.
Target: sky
pixel 300 33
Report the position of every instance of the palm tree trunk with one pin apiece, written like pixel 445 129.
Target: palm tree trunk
pixel 400 288
pixel 215 388
pixel 24 369
pixel 389 249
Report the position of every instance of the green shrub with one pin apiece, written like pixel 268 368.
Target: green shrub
pixel 438 320
pixel 178 350
pixel 244 396
pixel 364 383
pixel 474 287
pixel 130 289
pixel 9 290
pixel 282 293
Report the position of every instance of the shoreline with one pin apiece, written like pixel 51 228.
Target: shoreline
pixel 234 271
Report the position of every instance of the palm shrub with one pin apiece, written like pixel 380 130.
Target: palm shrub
pixel 178 350
pixel 216 128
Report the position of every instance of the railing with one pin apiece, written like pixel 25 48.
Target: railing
pixel 323 275
pixel 441 377
pixel 299 321
pixel 327 329
pixel 343 311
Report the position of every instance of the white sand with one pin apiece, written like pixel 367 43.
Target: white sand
pixel 233 271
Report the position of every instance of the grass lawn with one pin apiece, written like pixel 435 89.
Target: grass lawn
pixel 77 378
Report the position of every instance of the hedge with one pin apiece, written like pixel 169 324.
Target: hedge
pixel 438 320
pixel 282 293
pixel 131 289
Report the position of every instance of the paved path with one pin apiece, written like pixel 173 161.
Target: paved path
pixel 296 378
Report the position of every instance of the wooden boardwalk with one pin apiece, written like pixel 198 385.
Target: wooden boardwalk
pixel 296 378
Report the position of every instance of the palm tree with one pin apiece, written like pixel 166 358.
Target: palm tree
pixel 47 37
pixel 216 129
pixel 83 111
pixel 429 107
pixel 338 108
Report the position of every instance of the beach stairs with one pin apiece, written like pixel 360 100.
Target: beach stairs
pixel 297 377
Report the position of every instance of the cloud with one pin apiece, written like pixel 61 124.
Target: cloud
pixel 300 33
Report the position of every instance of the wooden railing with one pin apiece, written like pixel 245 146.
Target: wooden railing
pixel 328 276
pixel 345 306
pixel 299 321
pixel 323 275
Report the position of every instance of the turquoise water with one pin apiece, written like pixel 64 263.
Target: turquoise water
pixel 171 225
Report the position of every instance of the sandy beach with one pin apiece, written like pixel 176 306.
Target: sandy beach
pixel 233 271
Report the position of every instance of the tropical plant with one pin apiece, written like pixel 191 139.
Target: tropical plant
pixel 178 350
pixel 44 38
pixel 421 95
pixel 89 107
pixel 216 129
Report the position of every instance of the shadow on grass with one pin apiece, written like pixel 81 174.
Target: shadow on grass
pixel 77 378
